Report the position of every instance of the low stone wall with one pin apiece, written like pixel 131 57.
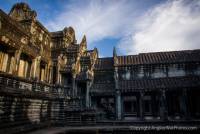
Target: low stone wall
pixel 22 114
pixel 23 109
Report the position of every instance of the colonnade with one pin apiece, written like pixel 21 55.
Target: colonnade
pixel 18 63
pixel 162 111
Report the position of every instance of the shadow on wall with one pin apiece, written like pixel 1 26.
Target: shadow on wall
pixel 22 114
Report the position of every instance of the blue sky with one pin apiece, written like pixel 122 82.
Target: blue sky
pixel 132 26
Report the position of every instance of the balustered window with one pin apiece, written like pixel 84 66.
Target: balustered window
pixel 24 66
pixel 104 76
pixel 125 73
pixel 3 60
pixel 147 104
pixel 130 105
pixel 6 59
pixel 197 72
pixel 42 71
pixel 158 71
pixel 176 70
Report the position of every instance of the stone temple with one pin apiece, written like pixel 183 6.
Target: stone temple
pixel 50 82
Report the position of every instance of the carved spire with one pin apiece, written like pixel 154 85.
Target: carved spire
pixel 84 41
pixel 69 35
pixel 114 52
pixel 22 11
pixel 96 51
pixel 115 56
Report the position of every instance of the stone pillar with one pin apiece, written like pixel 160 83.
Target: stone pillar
pixel 35 67
pixel 50 76
pixel 16 60
pixel 163 107
pixel 141 105
pixel 74 85
pixel 32 74
pixel 118 100
pixel 184 104
pixel 118 105
pixel 46 72
pixel 1 60
pixel 87 94
pixel 8 63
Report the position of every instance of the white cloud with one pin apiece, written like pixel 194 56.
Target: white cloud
pixel 98 19
pixel 173 25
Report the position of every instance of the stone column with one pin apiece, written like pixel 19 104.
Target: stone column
pixel 163 107
pixel 17 56
pixel 1 60
pixel 118 100
pixel 74 85
pixel 184 103
pixel 8 63
pixel 45 72
pixel 50 78
pixel 118 105
pixel 35 67
pixel 87 94
pixel 141 105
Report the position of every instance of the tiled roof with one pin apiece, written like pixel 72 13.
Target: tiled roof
pixel 103 88
pixel 81 76
pixel 160 57
pixel 104 64
pixel 159 83
pixel 73 48
pixel 85 60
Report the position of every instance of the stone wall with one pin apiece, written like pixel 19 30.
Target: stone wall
pixel 24 109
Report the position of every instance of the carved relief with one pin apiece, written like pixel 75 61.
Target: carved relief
pixel 41 49
pixel 69 36
pixel 89 74
pixel 5 39
pixel 24 40
pixel 33 29
pixel 41 35
pixel 34 35
pixel 83 45
pixel 21 11
pixel 74 70
pixel 62 60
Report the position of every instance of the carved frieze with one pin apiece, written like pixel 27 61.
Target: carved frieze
pixel 24 40
pixel 5 39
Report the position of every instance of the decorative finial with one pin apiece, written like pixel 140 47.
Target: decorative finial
pixel 114 52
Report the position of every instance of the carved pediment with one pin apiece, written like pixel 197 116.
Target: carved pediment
pixel 21 11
